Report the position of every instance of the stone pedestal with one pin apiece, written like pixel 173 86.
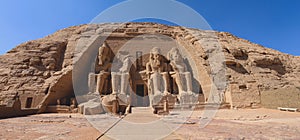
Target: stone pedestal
pixel 90 108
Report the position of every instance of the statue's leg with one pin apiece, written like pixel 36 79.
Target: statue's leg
pixel 150 91
pixel 124 83
pixel 100 82
pixel 156 83
pixel 166 82
pixel 115 83
pixel 189 84
pixel 179 83
pixel 91 82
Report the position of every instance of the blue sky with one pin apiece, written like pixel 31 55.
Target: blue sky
pixel 271 23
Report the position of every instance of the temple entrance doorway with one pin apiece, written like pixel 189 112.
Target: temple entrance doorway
pixel 142 97
pixel 29 102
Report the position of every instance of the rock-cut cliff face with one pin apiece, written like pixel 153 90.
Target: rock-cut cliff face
pixel 39 72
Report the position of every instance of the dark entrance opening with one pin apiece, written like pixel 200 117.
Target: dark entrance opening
pixel 140 90
pixel 28 102
pixel 142 98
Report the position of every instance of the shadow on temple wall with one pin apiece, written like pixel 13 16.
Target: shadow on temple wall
pixel 196 84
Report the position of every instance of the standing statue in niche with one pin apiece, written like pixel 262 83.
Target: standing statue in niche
pixel 180 74
pixel 102 69
pixel 157 73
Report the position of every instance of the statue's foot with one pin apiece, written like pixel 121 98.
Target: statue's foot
pixel 166 93
pixel 191 92
pixel 158 93
pixel 93 94
pixel 96 92
pixel 114 93
pixel 123 93
pixel 188 98
pixel 182 93
pixel 112 96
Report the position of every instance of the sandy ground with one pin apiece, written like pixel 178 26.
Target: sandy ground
pixel 246 124
pixel 227 124
pixel 47 127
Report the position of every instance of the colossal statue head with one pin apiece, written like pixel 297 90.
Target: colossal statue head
pixel 175 56
pixel 125 59
pixel 104 54
pixel 155 57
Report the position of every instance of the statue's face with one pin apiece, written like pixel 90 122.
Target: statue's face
pixel 156 58
pixel 177 57
pixel 102 56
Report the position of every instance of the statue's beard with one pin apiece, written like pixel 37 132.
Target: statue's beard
pixel 100 63
pixel 155 63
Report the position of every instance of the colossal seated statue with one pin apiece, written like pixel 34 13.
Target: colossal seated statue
pixel 157 75
pixel 120 78
pixel 180 74
pixel 120 83
pixel 102 70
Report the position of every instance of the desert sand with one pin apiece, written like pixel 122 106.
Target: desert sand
pixel 227 124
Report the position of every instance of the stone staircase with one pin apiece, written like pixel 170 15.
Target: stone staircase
pixel 135 110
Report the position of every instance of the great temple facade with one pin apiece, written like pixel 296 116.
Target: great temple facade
pixel 148 70
pixel 150 81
